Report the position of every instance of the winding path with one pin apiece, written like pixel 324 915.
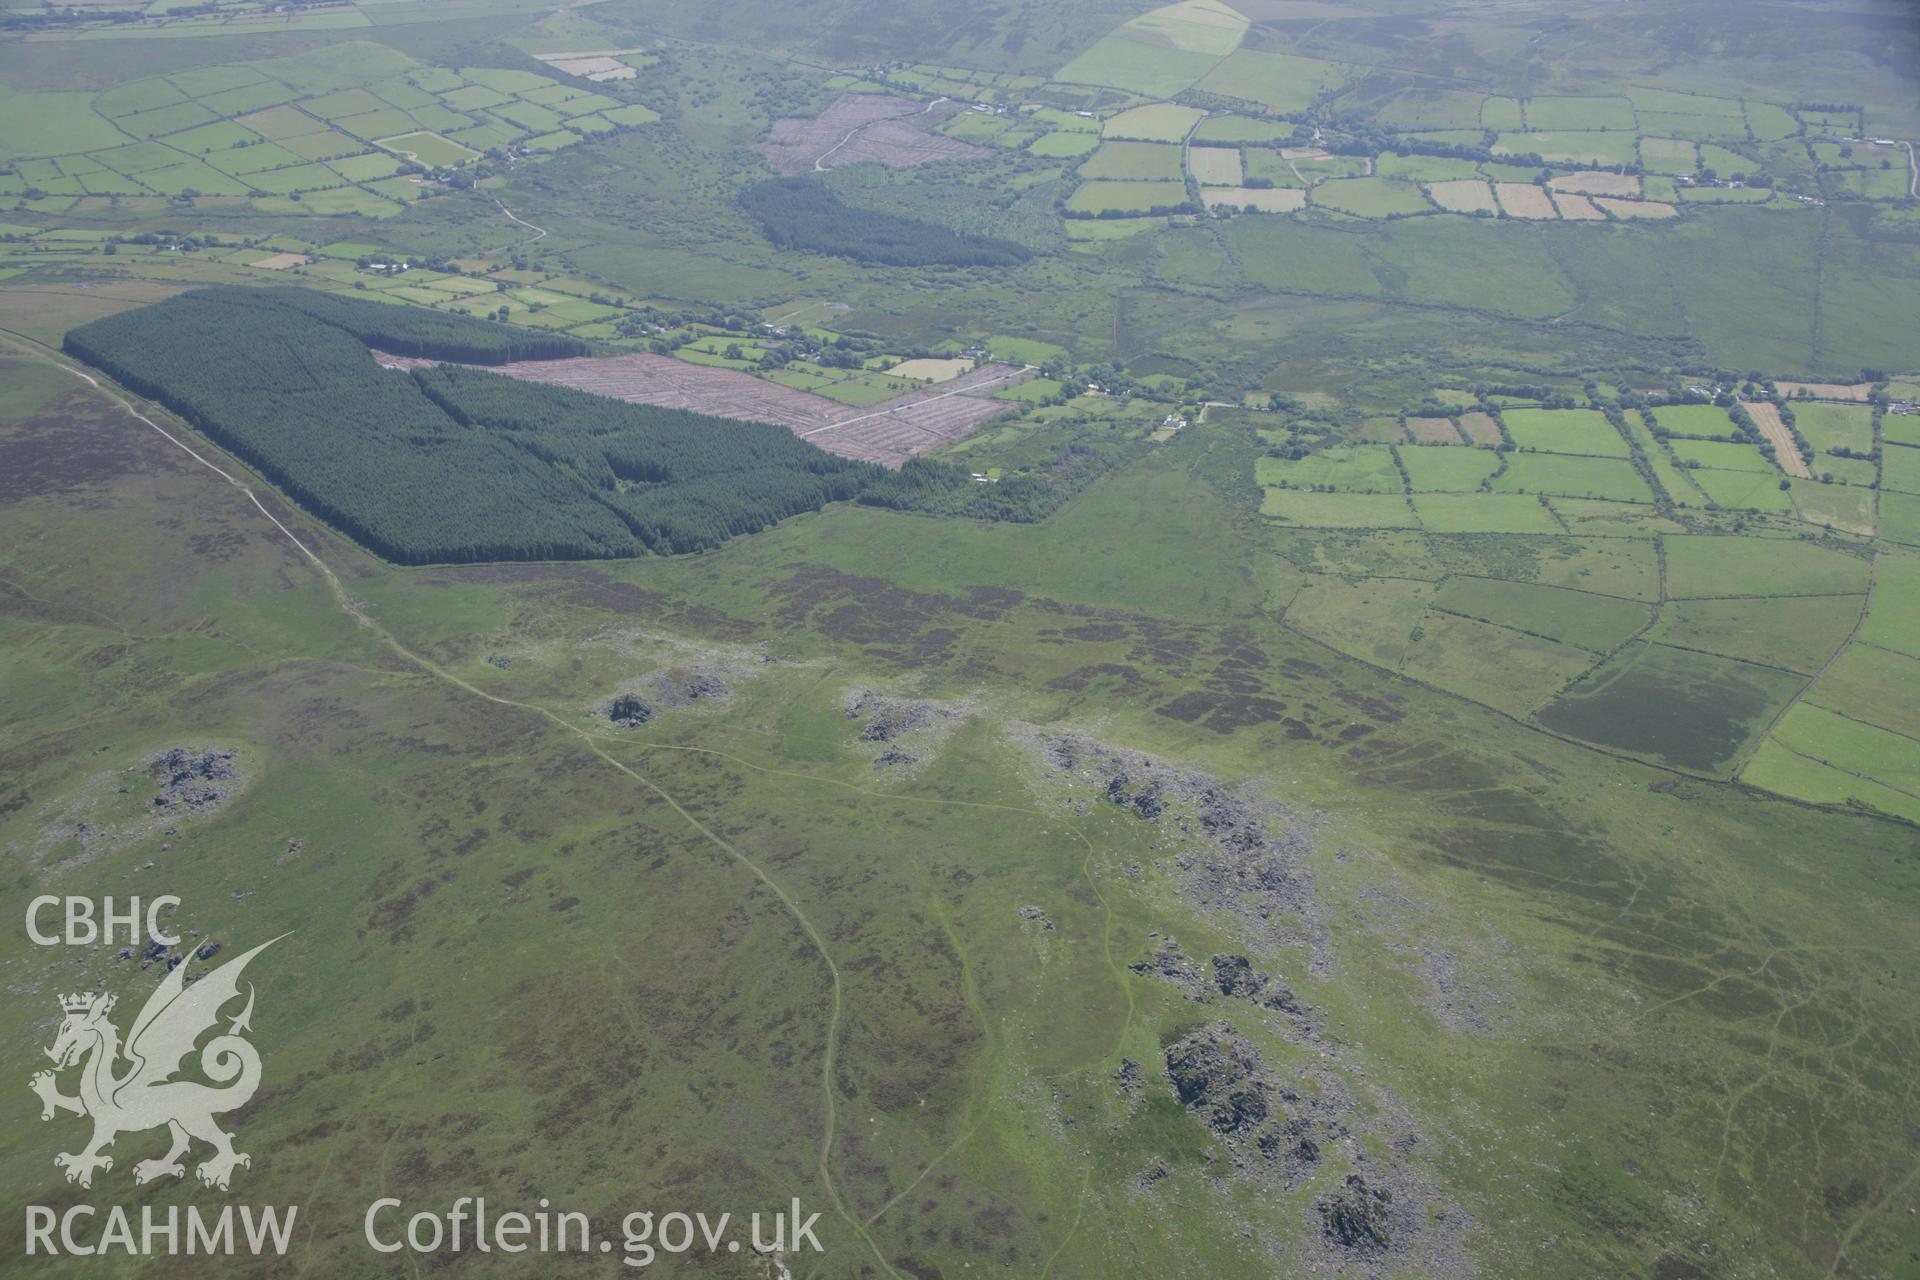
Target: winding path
pixel 539 233
pixel 592 741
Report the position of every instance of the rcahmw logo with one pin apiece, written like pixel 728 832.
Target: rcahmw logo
pixel 129 1087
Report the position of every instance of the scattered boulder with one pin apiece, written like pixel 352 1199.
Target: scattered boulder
pixel 1130 1077
pixel 1033 916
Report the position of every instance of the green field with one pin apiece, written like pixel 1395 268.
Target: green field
pixel 1701 566
pixel 1798 633
pixel 1595 147
pixel 1723 457
pixel 1277 81
pixel 1484 513
pixel 1582 431
pixel 1900 468
pixel 1579 113
pixel 1338 510
pixel 1370 197
pixel 1574 477
pixel 1448 467
pixel 1843 507
pixel 1238 129
pixel 1694 420
pixel 1901 428
pixel 1779 769
pixel 327 105
pixel 1158 122
pixel 1899 518
pixel 1834 426
pixel 1063 144
pixel 1127 197
pixel 1893 620
pixel 1508 670
pixel 1594 622
pixel 1162 52
pixel 1361 469
pixel 1746 490
pixel 1134 160
pixel 1872 684
pixel 1852 747
pixel 428 148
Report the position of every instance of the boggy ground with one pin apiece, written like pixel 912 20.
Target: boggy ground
pixel 535 953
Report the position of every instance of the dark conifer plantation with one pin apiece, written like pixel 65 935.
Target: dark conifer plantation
pixel 799 213
pixel 450 463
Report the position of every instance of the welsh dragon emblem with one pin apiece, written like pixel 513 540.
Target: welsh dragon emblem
pixel 144 1094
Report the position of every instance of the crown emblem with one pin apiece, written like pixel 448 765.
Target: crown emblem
pixel 78 1002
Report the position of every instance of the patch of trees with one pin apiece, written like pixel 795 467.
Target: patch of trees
pixel 941 488
pixel 1514 390
pixel 799 213
pixel 1369 138
pixel 1153 211
pixel 453 464
pixel 49 19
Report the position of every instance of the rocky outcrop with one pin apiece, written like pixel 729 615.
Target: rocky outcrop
pixel 1237 853
pixel 629 710
pixel 197 780
pixel 1356 1216
pixel 1169 962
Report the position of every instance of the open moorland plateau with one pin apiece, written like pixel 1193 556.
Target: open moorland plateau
pixel 1275 638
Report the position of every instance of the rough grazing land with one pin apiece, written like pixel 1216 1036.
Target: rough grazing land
pixel 892 131
pixel 1241 860
pixel 888 433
